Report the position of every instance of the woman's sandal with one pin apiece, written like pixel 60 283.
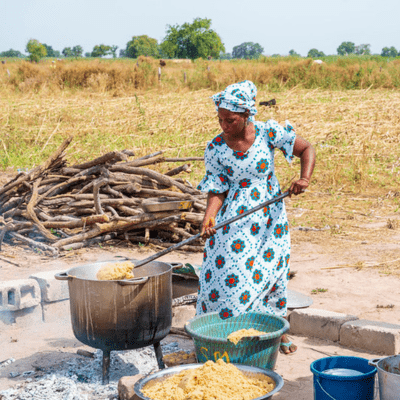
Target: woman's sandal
pixel 287 346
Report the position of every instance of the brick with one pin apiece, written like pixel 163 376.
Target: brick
pixel 26 318
pixel 56 311
pixel 125 387
pixel 374 336
pixel 318 323
pixel 19 294
pixel 51 288
pixel 182 314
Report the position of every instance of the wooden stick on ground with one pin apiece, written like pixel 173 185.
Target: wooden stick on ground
pixel 10 262
pixel 33 243
pixel 31 213
pixel 112 156
pixel 114 226
pixel 178 331
pixel 177 159
pixel 86 243
pixel 178 170
pixel 160 178
pixel 147 161
pixel 96 191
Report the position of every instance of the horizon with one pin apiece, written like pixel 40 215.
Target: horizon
pixel 278 28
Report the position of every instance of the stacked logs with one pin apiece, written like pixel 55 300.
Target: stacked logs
pixel 69 207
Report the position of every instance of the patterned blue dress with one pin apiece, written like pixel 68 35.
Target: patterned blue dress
pixel 246 264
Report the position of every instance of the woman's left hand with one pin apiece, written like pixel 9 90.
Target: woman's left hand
pixel 298 187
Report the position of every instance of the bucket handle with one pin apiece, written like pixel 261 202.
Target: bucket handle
pixel 374 361
pixel 138 281
pixel 63 276
pixel 325 390
pixel 376 386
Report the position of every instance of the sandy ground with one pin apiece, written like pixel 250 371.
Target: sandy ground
pixel 369 293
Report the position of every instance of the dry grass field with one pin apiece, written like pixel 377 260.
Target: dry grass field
pixel 356 134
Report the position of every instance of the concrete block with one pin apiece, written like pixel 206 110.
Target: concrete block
pixel 19 294
pixel 26 318
pixel 125 387
pixel 374 336
pixel 318 323
pixel 51 288
pixel 56 311
pixel 182 314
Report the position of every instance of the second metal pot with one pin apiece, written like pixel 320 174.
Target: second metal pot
pixel 389 377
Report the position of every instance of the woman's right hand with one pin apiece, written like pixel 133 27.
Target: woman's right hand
pixel 207 228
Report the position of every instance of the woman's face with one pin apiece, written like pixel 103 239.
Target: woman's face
pixel 231 123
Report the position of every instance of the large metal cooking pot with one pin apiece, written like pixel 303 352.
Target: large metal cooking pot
pixel 388 376
pixel 120 315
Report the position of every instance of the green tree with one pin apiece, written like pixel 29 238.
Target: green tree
pixel 292 53
pixel 389 52
pixel 192 41
pixel 88 54
pixel 50 51
pixel 77 51
pixel 101 50
pixel 67 52
pixel 247 50
pixel 346 48
pixel 36 50
pixel 114 51
pixel 314 53
pixel 363 49
pixel 142 46
pixel 225 56
pixel 11 53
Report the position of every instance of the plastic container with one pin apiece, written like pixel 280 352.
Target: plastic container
pixel 329 386
pixel 210 332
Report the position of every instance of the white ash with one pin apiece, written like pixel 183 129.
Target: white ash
pixel 6 362
pixel 80 378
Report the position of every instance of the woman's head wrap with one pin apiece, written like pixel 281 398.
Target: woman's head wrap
pixel 239 97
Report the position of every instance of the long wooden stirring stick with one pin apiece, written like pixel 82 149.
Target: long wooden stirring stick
pixel 216 227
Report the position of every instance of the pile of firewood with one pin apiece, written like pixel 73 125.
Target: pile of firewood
pixel 56 207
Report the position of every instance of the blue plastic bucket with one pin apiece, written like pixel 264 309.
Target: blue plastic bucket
pixel 333 387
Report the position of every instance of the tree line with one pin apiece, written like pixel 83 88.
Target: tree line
pixel 349 48
pixel 190 40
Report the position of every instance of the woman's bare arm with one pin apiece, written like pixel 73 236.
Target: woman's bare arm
pixel 306 153
pixel 214 204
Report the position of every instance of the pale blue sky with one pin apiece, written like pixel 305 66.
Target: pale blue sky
pixel 278 25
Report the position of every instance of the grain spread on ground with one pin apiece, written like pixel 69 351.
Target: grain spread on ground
pixel 234 337
pixel 212 381
pixel 115 271
pixel 179 358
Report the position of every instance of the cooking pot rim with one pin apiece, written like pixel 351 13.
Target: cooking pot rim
pixel 70 272
pixel 378 363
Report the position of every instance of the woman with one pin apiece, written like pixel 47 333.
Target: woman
pixel 246 264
